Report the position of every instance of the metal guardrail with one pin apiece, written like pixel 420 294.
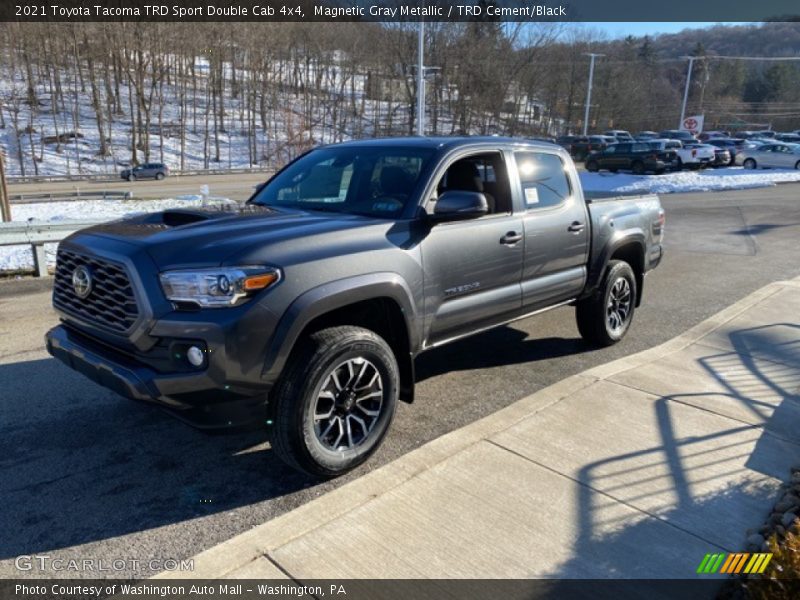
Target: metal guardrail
pixel 55 196
pixel 12 179
pixel 38 233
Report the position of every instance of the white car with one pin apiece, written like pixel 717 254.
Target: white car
pixel 771 156
pixel 691 156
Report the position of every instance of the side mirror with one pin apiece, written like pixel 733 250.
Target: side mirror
pixel 458 205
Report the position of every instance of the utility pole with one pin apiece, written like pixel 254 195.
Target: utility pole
pixel 591 56
pixel 421 79
pixel 686 89
pixel 5 206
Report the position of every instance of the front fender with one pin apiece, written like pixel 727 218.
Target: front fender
pixel 331 296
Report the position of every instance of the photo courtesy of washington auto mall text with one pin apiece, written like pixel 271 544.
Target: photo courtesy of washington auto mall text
pixel 399 299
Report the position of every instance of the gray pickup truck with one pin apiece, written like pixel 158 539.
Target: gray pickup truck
pixel 307 306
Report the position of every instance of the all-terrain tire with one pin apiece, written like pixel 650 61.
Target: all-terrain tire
pixel 294 430
pixel 593 314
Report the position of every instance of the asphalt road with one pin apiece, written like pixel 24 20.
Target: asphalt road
pixel 236 187
pixel 86 474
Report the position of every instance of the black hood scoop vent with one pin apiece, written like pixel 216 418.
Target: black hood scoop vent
pixel 178 217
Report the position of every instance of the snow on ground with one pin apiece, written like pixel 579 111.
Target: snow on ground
pixel 14 258
pixel 707 180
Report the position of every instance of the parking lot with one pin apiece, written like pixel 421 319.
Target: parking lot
pixel 87 474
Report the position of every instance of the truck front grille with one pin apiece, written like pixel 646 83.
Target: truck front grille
pixel 111 302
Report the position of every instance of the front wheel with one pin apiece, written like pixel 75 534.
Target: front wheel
pixel 605 317
pixel 333 405
pixel 797 165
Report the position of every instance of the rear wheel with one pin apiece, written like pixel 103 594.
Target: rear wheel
pixel 159 176
pixel 592 166
pixel 797 165
pixel 638 167
pixel 131 177
pixel 749 163
pixel 605 317
pixel 333 406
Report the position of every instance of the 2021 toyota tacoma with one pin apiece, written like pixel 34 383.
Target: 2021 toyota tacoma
pixel 308 304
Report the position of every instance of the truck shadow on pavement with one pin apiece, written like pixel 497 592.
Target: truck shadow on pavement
pixel 481 351
pixel 80 464
pixel 708 482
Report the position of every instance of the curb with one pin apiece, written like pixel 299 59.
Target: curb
pixel 258 542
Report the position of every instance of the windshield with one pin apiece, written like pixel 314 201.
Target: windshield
pixel 376 181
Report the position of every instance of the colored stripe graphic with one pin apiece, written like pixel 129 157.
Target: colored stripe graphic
pixel 735 562
pixel 703 563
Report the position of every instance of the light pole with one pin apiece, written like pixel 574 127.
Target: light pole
pixel 591 56
pixel 421 79
pixel 686 89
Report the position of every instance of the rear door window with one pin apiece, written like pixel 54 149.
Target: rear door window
pixel 544 181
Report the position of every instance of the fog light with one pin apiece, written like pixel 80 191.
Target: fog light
pixel 195 356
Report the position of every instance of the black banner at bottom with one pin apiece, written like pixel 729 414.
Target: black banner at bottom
pixel 394 589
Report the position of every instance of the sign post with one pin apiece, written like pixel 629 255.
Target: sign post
pixel 5 206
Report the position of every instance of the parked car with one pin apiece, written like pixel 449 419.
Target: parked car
pixel 733 145
pixel 594 143
pixel 708 135
pixel 571 142
pixel 638 157
pixel 791 138
pixel 771 156
pixel 146 171
pixel 722 157
pixel 619 135
pixel 755 135
pixel 644 136
pixel 677 134
pixel 703 154
pixel 305 308
pixel 684 157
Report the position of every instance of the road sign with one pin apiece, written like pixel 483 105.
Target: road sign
pixel 693 124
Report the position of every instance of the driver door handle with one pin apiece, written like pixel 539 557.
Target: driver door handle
pixel 511 238
pixel 576 227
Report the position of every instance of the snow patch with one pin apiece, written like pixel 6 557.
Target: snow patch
pixel 707 180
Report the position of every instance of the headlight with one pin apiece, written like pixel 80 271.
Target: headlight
pixel 217 288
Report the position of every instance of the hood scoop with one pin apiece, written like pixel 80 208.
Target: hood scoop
pixel 178 217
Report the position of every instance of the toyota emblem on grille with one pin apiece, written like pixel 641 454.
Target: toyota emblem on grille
pixel 82 281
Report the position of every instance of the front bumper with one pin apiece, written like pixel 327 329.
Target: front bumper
pixel 194 396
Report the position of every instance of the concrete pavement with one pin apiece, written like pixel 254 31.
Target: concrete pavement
pixel 633 469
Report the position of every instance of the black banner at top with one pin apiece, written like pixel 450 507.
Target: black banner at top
pixel 77 11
